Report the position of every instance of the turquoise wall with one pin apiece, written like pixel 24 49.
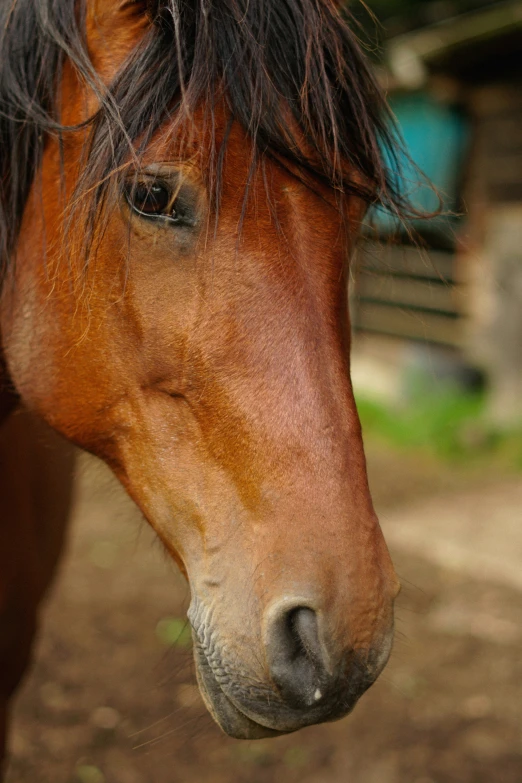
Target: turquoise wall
pixel 437 138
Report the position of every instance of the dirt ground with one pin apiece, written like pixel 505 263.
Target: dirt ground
pixel 112 695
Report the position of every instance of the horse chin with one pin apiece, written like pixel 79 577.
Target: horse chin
pixel 228 717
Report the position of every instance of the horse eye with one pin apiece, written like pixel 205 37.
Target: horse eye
pixel 152 200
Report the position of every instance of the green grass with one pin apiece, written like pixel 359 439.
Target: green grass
pixel 174 632
pixel 448 424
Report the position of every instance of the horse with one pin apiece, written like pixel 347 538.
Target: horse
pixel 182 183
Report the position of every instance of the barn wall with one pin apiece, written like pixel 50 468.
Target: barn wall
pixel 492 265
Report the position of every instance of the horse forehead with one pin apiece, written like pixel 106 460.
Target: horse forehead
pixel 113 28
pixel 260 197
pixel 195 143
pixel 199 135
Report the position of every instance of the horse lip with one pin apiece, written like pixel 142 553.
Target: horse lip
pixel 245 722
pixel 227 715
pixel 233 720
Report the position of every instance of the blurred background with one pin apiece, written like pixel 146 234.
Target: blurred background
pixel 437 369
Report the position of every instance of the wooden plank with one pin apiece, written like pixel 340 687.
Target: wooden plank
pixel 407 292
pixel 393 321
pixel 500 156
pixel 405 261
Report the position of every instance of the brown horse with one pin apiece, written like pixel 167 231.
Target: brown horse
pixel 181 184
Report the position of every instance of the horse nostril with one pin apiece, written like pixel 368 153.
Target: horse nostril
pixel 296 657
pixel 302 627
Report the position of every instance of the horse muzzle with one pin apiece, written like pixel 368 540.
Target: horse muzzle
pixel 297 682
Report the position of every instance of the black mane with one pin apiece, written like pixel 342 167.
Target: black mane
pixel 267 56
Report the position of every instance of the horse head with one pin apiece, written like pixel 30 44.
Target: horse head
pixel 177 305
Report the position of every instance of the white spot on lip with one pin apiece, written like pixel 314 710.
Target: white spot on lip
pixel 318 695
